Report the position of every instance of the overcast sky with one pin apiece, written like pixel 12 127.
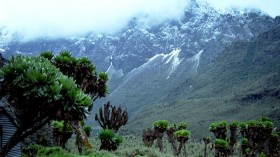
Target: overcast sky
pixel 60 18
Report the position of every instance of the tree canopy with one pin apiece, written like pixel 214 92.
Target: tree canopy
pixel 82 71
pixel 39 92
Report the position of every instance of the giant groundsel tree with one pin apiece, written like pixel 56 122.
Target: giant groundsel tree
pixel 38 92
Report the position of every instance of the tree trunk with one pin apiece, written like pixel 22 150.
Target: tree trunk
pixel 205 150
pixel 171 139
pixel 160 144
pixel 159 134
pixel 81 137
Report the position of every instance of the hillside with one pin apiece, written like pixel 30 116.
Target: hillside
pixel 242 83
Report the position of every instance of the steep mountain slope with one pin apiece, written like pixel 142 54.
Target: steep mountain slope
pixel 199 37
pixel 242 83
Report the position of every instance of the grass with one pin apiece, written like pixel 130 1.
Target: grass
pixel 131 147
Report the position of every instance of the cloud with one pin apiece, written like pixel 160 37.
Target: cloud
pixel 60 18
pixel 270 7
pixel 33 19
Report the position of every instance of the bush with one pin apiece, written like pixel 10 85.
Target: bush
pixel 87 130
pixel 109 140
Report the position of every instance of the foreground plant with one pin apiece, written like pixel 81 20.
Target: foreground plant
pixel 258 138
pixel 25 81
pixel 220 129
pixel 109 140
pixel 62 132
pixel 174 133
pixel 206 141
pixel 233 135
pixel 221 148
pixel 111 117
pixel 182 136
pixel 160 126
pixel 148 136
pixel 171 137
pixel 85 76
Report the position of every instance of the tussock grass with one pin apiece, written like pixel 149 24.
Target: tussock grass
pixel 131 147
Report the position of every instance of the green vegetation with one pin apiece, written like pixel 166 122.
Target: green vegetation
pixel 29 80
pixel 244 141
pixel 88 130
pixel 87 79
pixel 82 71
pixel 131 147
pixel 163 124
pixel 218 125
pixel 60 126
pixel 111 117
pixel 256 133
pixel 233 124
pixel 109 140
pixel 221 143
pixel 182 134
pixel 47 54
pixel 242 126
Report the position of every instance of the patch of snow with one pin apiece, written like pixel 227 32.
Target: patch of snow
pixel 171 58
pixel 112 71
pixel 174 56
pixel 196 59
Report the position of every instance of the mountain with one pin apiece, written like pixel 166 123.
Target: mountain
pixel 183 67
pixel 242 83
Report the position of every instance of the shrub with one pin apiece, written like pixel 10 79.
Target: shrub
pixel 109 140
pixel 87 129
